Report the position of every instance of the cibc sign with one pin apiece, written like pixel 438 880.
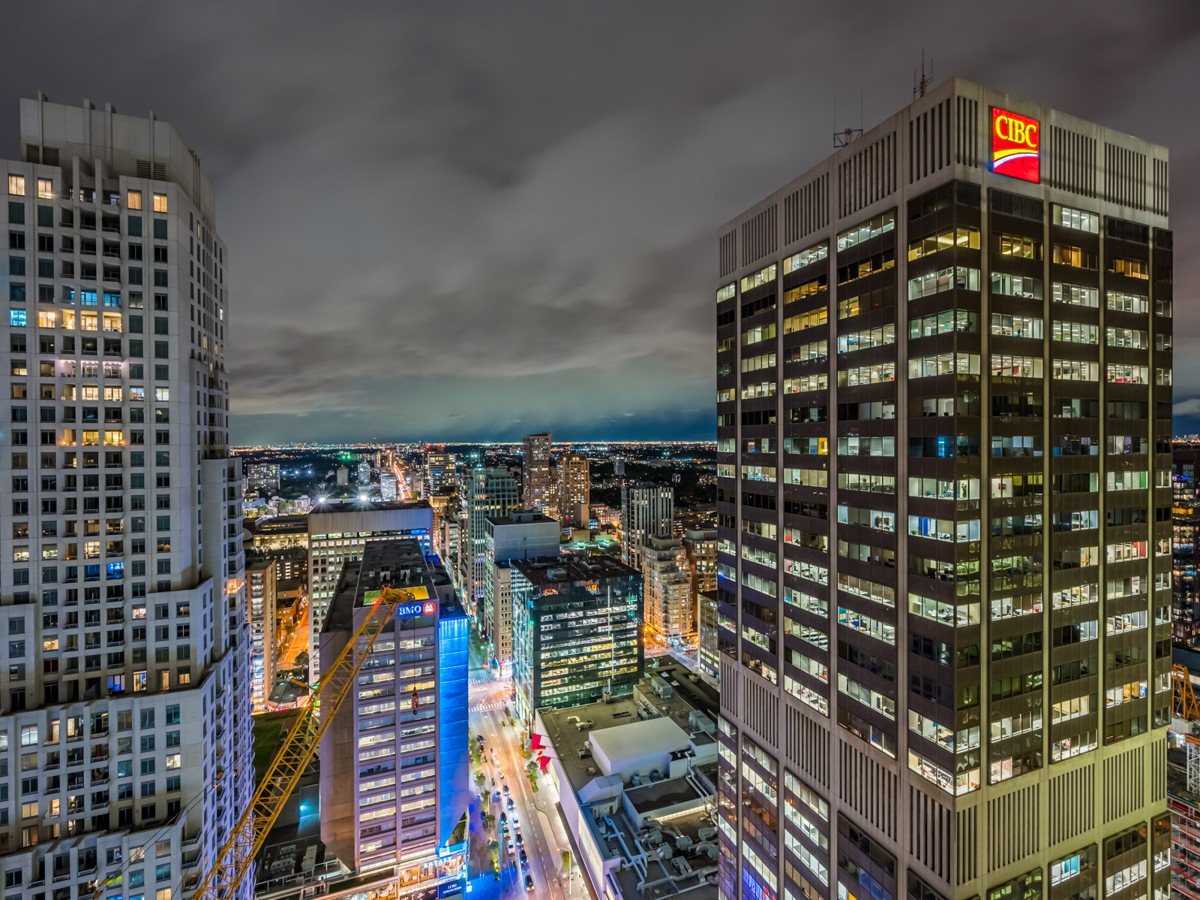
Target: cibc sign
pixel 1016 145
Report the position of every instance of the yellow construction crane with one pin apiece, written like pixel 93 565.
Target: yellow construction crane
pixel 1185 704
pixel 237 853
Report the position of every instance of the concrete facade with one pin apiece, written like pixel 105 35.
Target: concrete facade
pixel 124 716
pixel 669 610
pixel 647 510
pixel 524 534
pixel 337 533
pixel 944 363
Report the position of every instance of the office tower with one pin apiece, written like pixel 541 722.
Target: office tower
pixel 668 607
pixel 405 725
pixel 388 486
pixel 708 660
pixel 577 631
pixel 944 418
pixel 262 575
pixel 647 510
pixel 490 492
pixel 363 473
pixel 523 534
pixel 343 476
pixel 127 696
pixel 701 547
pixel 337 533
pixel 441 505
pixel 574 489
pixel 1185 543
pixel 536 486
pixel 439 471
pixel 262 479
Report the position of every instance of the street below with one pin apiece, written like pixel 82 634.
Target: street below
pixel 537 818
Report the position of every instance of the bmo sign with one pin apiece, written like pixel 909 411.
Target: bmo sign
pixel 1016 145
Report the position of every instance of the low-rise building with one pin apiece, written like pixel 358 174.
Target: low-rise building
pixel 636 779
pixel 277 533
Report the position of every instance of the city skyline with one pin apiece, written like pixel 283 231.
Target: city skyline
pixel 582 221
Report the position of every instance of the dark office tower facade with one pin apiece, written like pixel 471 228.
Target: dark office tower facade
pixel 1185 546
pixel 944 550
pixel 537 487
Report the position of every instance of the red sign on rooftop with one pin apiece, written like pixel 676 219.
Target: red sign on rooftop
pixel 1016 145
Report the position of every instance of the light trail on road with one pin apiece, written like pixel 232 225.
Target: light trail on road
pixel 539 821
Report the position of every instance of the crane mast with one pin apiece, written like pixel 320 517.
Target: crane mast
pixel 236 855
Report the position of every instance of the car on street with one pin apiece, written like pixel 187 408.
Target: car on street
pixel 510 803
pixel 528 882
pixel 520 839
pixel 506 791
pixel 524 858
pixel 496 796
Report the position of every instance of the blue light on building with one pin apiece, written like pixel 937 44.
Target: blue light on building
pixel 454 764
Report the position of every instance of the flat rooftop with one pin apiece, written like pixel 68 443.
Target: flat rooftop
pixel 568 740
pixel 521 517
pixel 357 506
pixel 277 525
pixel 619 742
pixel 546 571
pixel 394 564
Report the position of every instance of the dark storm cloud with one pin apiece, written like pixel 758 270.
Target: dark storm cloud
pixel 453 220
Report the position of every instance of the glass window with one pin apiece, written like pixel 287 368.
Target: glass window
pixel 1075 218
pixel 16 185
pixel 160 203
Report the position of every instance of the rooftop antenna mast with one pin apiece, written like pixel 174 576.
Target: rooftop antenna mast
pixel 920 86
pixel 846 135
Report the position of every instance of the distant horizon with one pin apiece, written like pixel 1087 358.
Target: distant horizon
pixel 379 442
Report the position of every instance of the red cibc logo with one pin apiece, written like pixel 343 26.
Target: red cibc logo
pixel 1016 144
pixel 428 610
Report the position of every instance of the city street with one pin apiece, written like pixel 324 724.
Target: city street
pixel 295 642
pixel 539 821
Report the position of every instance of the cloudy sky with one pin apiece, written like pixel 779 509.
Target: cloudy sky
pixel 477 220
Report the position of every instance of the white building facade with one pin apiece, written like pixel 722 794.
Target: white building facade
pixel 337 533
pixel 125 753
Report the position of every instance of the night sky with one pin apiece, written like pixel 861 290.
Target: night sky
pixel 473 221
